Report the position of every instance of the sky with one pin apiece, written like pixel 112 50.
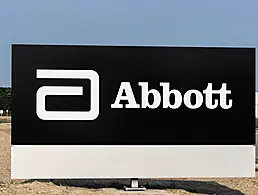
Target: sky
pixel 125 22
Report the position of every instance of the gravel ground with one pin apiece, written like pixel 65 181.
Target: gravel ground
pixel 218 186
pixel 50 188
pixel 5 150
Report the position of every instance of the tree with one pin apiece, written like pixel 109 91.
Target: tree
pixel 5 98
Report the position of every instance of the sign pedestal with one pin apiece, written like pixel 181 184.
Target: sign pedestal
pixel 134 186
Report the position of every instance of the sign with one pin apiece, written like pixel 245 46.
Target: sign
pixel 132 111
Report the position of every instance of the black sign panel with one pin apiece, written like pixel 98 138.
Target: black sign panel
pixel 132 95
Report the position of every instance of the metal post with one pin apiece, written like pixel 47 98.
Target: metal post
pixel 134 186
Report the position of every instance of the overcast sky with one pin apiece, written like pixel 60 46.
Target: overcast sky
pixel 125 22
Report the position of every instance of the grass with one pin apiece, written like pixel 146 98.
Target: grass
pixel 4 119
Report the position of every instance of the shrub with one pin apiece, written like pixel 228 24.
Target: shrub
pixel 5 98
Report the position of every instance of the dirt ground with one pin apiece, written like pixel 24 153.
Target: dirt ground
pixel 222 186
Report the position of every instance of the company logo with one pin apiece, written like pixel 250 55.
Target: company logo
pixel 43 91
pixel 210 101
pixel 206 96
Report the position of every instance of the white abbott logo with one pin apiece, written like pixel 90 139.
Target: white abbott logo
pixel 210 102
pixel 67 90
pixel 42 92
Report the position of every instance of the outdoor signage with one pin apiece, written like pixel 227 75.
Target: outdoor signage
pixel 98 111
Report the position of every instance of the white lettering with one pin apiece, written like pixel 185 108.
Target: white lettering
pixel 208 100
pixel 223 97
pixel 145 96
pixel 187 99
pixel 125 87
pixel 166 97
